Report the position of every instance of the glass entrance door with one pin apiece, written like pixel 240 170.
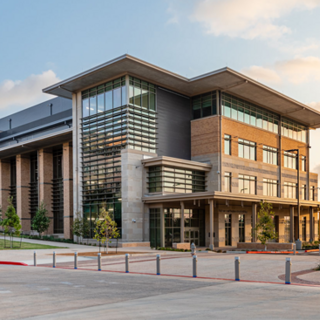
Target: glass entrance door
pixel 191 235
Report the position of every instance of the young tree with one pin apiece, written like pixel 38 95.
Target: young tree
pixel 105 228
pixel 265 228
pixel 80 227
pixel 11 222
pixel 40 221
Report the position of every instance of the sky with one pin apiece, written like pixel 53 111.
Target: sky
pixel 276 42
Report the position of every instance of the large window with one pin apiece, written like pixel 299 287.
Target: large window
pixel 13 182
pixel 290 190
pixel 246 149
pixel 270 187
pixel 227 181
pixel 227 144
pixel 290 160
pixel 142 94
pixel 249 113
pixel 304 192
pixel 293 130
pixel 204 105
pixel 175 180
pixel 242 235
pixel 154 227
pixel 247 184
pixel 270 155
pixel 105 97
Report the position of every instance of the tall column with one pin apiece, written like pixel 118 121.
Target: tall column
pixel 311 224
pixel 292 224
pixel 45 166
pixel 254 221
pixel 4 185
pixel 23 181
pixel 182 222
pixel 162 234
pixel 211 212
pixel 67 190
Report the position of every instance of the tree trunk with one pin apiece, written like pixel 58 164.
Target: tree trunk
pixel 107 241
pixel 265 247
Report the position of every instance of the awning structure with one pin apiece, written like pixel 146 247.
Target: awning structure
pixel 224 79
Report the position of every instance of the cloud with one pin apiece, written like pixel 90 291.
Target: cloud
pixel 16 95
pixel 299 70
pixel 296 71
pixel 262 74
pixel 246 18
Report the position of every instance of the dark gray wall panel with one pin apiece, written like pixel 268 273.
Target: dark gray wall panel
pixel 174 116
pixel 35 113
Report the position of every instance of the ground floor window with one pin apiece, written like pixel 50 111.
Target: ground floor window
pixel 286 229
pixel 304 229
pixel 227 219
pixel 155 228
pixel 241 228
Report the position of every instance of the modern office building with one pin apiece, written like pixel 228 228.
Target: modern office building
pixel 174 159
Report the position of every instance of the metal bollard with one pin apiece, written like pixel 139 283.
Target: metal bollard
pixel 76 260
pixel 288 271
pixel 158 264
pixel 193 249
pixel 194 263
pixel 237 268
pixel 35 258
pixel 99 261
pixel 54 260
pixel 127 263
pixel 294 249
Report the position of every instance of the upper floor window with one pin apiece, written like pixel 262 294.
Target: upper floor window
pixel 246 149
pixel 293 130
pixel 249 113
pixel 104 97
pixel 303 163
pixel 270 187
pixel 227 144
pixel 290 190
pixel 270 155
pixel 227 181
pixel 204 105
pixel 247 184
pixel 312 194
pixel 290 160
pixel 303 192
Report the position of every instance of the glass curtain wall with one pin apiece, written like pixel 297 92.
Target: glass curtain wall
pixel 112 121
pixel 13 182
pixel 155 228
pixel 204 105
pixel 57 191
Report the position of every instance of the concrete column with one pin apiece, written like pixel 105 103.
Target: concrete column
pixel 23 180
pixel 311 232
pixel 254 221
pixel 182 222
pixel 162 230
pixel 211 212
pixel 4 185
pixel 67 190
pixel 292 224
pixel 45 166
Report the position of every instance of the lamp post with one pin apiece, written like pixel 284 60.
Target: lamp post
pixel 298 242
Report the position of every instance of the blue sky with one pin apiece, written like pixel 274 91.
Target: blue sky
pixel 276 42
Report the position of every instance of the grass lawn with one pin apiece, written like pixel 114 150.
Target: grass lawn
pixel 25 245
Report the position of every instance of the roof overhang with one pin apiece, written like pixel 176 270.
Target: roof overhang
pixel 44 141
pixel 224 79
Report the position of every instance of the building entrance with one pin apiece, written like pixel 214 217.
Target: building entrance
pixel 191 235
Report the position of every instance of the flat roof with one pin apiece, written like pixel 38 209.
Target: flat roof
pixel 225 79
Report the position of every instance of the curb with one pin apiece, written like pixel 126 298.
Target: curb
pixel 13 263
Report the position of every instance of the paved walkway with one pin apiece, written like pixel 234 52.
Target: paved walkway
pixel 52 294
